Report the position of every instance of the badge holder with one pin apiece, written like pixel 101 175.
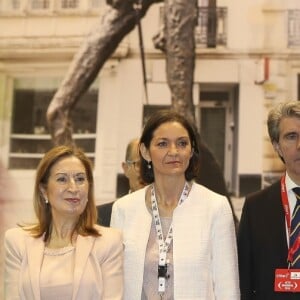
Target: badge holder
pixel 287 280
pixel 162 276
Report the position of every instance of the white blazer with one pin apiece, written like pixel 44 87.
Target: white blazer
pixel 98 262
pixel 204 245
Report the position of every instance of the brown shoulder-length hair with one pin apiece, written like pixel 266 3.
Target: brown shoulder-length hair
pixel 165 116
pixel 85 224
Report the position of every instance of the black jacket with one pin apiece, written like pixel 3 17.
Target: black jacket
pixel 262 245
pixel 104 214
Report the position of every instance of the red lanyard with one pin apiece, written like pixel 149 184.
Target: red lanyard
pixel 286 207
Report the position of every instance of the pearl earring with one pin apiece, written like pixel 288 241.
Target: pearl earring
pixel 149 165
pixel 46 200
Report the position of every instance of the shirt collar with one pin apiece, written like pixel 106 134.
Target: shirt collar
pixel 289 183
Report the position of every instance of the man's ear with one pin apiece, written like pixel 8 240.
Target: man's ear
pixel 277 148
pixel 144 152
pixel 125 168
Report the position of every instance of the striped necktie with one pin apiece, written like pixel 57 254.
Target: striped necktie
pixel 295 229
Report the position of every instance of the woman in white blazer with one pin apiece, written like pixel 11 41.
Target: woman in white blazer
pixel 64 255
pixel 179 237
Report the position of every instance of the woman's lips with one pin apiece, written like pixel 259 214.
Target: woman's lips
pixel 73 200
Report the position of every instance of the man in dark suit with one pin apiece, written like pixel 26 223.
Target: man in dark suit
pixel 131 170
pixel 263 236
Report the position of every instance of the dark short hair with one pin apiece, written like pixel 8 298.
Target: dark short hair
pixel 165 116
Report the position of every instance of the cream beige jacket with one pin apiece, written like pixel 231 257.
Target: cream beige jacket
pixel 98 270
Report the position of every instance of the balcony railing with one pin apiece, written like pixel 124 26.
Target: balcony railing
pixel 48 6
pixel 294 28
pixel 211 30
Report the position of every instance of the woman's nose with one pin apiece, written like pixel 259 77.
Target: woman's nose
pixel 72 185
pixel 173 149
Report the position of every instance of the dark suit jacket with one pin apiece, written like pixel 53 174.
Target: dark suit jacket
pixel 262 245
pixel 104 214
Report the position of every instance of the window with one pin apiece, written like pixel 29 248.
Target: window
pixel 30 137
pixel 294 28
pixel 40 4
pixel 10 5
pixel 96 3
pixel 66 4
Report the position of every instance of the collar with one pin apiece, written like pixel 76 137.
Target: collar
pixel 290 184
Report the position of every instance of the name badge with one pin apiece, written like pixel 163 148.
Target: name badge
pixel 287 280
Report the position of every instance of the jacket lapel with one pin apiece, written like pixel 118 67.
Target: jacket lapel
pixel 35 249
pixel 84 245
pixel 279 225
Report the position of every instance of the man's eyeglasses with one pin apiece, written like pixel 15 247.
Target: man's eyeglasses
pixel 135 163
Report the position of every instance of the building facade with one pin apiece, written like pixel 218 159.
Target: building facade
pixel 247 60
